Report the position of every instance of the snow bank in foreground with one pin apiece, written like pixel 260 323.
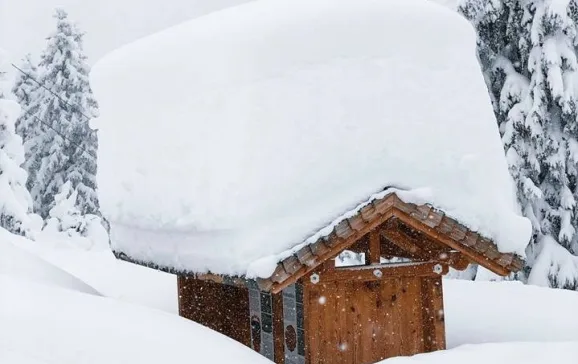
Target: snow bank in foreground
pixel 104 330
pixel 67 327
pixel 484 312
pixel 503 353
pixel 17 262
pixel 246 131
pixel 48 324
pixel 110 276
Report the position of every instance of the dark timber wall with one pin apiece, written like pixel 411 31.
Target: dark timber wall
pixel 220 307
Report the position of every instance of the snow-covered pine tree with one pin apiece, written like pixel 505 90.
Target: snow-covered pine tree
pixel 528 56
pixel 82 172
pixel 66 144
pixel 28 125
pixel 15 200
pixel 24 89
pixel 65 217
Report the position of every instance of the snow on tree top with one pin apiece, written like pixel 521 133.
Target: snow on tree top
pixel 229 139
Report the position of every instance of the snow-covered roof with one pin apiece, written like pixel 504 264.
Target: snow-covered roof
pixel 230 139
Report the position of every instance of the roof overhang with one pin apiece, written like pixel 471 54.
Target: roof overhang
pixel 388 213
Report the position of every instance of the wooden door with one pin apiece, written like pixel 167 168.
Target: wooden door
pixel 362 322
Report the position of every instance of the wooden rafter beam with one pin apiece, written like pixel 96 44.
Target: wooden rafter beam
pixel 428 245
pixel 394 235
pixel 454 259
pixel 397 236
pixel 435 232
pixel 340 245
pixel 447 240
pixel 382 271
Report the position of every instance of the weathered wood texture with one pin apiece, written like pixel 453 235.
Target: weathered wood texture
pixel 376 272
pixel 408 230
pixel 363 322
pixel 223 308
pixel 433 313
pixel 374 254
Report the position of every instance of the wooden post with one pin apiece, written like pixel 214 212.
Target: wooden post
pixel 433 315
pixel 374 247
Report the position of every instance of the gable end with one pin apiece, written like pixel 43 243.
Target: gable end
pixel 425 219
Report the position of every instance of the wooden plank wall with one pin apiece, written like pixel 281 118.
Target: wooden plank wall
pixel 362 322
pixel 220 307
pixel 433 313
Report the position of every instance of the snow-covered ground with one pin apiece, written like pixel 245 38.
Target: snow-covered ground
pixel 487 322
pixel 476 312
pixel 99 269
pixel 14 260
pixel 502 353
pixel 490 312
pixel 52 325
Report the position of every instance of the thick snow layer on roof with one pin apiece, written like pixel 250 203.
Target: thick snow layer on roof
pixel 229 139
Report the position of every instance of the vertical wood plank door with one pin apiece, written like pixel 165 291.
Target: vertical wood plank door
pixel 365 322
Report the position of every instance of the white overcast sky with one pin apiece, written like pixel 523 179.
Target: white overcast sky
pixel 108 23
pixel 24 24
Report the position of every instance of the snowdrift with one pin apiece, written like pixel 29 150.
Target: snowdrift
pixel 503 353
pixel 475 312
pixel 513 322
pixel 68 327
pixel 490 312
pixel 100 269
pixel 20 263
pixel 248 130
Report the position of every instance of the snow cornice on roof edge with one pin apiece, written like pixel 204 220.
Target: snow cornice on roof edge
pixel 424 218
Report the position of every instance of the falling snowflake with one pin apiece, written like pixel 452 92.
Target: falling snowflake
pixel 343 346
pixel 322 300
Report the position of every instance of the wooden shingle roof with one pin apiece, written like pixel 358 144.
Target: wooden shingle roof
pixel 429 221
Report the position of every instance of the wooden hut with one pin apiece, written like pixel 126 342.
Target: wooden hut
pixel 311 311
